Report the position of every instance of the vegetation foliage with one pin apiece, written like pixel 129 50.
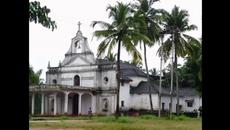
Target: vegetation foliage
pixel 38 14
pixel 145 122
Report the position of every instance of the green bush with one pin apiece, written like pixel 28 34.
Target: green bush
pixel 111 119
pixel 123 120
pixel 180 117
pixel 148 117
pixel 64 118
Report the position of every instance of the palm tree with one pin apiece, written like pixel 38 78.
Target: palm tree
pixel 118 33
pixel 193 66
pixel 146 21
pixel 111 57
pixel 175 24
pixel 196 57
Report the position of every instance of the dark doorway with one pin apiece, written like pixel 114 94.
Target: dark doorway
pixel 37 103
pixel 30 103
pixel 55 82
pixel 163 106
pixel 76 80
pixel 75 104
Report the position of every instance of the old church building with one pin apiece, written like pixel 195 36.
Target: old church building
pixel 82 82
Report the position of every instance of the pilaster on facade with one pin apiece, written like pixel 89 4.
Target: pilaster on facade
pixel 32 105
pixel 42 103
pixel 79 103
pixel 55 103
pixel 66 102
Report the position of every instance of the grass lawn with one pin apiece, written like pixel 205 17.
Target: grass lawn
pixel 146 122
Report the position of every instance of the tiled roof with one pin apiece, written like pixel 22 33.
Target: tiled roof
pixel 126 69
pixel 142 87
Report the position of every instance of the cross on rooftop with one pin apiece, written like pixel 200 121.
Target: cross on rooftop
pixel 79 24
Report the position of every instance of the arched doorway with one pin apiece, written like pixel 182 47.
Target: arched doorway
pixel 76 80
pixel 86 100
pixel 73 103
pixel 60 102
pixel 52 106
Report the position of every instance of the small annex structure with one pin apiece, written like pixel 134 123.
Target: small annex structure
pixel 83 83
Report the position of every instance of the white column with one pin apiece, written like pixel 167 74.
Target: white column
pixel 46 104
pixel 66 103
pixel 32 105
pixel 92 105
pixel 79 103
pixel 42 104
pixel 55 103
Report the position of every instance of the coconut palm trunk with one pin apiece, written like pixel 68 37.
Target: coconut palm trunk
pixel 159 110
pixel 177 86
pixel 118 78
pixel 148 81
pixel 171 89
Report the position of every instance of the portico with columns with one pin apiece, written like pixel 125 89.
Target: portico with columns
pixel 64 102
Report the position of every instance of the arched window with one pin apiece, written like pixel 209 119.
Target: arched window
pixel 55 82
pixel 105 103
pixel 106 80
pixel 76 80
pixel 76 43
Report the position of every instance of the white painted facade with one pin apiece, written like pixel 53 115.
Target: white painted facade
pixel 141 101
pixel 183 101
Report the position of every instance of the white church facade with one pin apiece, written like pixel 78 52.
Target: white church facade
pixel 81 83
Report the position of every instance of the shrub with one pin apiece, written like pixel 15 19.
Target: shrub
pixel 64 118
pixel 180 117
pixel 111 119
pixel 148 117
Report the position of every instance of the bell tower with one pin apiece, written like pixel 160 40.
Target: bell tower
pixel 79 47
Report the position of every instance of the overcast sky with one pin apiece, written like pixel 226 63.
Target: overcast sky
pixel 45 45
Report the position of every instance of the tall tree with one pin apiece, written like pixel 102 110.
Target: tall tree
pixel 191 71
pixel 34 77
pixel 40 14
pixel 146 22
pixel 118 33
pixel 175 24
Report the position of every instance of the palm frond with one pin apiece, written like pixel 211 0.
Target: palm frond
pixel 102 46
pixel 166 48
pixel 104 33
pixel 191 27
pixel 130 47
pixel 112 45
pixel 192 39
pixel 103 24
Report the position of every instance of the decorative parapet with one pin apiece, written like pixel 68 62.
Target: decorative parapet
pixel 82 53
pixel 61 88
pixel 53 70
pixel 58 88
